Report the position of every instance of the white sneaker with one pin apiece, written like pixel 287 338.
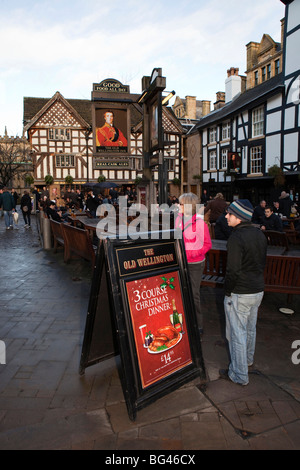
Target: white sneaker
pixel 26 225
pixel 7 228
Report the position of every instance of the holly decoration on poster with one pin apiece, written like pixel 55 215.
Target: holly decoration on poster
pixel 167 283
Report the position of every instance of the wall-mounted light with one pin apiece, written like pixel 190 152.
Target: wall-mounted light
pixel 168 97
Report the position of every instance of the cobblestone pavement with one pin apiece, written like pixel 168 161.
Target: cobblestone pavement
pixel 46 404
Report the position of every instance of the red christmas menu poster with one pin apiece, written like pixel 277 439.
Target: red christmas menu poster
pixel 159 326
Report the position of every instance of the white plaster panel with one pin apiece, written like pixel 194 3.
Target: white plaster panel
pixel 274 102
pixel 289 118
pixel 291 147
pixel 273 150
pixel 274 122
pixel 293 15
pixel 242 132
pixel 292 52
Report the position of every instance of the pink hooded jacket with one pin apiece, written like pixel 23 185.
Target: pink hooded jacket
pixel 196 237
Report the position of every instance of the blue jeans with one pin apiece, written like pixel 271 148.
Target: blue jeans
pixel 8 218
pixel 241 316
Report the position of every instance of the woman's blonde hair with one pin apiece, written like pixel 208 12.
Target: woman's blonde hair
pixel 189 201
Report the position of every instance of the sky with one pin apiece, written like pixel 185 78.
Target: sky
pixel 67 45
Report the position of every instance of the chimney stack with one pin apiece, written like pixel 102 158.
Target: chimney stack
pixel 190 107
pixel 233 84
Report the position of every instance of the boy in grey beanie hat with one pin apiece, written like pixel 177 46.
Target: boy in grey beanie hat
pixel 244 288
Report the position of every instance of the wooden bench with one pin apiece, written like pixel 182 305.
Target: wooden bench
pixel 58 235
pixel 215 268
pixel 282 274
pixel 78 242
pixel 277 238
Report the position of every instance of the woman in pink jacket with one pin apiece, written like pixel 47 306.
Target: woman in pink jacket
pixel 197 243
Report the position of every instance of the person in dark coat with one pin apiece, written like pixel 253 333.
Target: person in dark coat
pixel 276 209
pixel 204 197
pixel 92 203
pixel 216 207
pixel 244 289
pixel 37 195
pixel 7 202
pixel 53 213
pixel 15 196
pixel 26 209
pixel 271 221
pixel 222 229
pixel 259 212
pixel 285 204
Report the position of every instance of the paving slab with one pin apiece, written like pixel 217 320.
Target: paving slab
pixel 46 404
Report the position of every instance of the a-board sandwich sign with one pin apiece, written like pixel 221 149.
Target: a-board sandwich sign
pixel 154 318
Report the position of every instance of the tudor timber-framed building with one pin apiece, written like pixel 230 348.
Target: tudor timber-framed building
pixel 61 133
pixel 257 128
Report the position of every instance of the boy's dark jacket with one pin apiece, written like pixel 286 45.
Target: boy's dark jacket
pixel 246 259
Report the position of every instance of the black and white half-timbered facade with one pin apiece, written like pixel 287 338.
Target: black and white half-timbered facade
pixel 241 141
pixel 65 136
pixel 255 130
pixel 290 157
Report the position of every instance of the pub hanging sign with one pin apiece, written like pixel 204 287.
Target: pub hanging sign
pixel 234 163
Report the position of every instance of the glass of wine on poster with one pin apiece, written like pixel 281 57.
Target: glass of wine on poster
pixel 159 326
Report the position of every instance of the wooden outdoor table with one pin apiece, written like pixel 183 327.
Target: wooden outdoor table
pixel 77 221
pixel 219 244
pixel 291 221
pixel 91 226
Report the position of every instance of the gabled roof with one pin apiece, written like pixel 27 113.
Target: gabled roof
pixel 267 43
pixel 249 98
pixel 34 108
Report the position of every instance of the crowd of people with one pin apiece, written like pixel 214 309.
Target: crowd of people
pixel 8 208
pixel 57 208
pixel 238 222
pixel 268 216
pixel 83 200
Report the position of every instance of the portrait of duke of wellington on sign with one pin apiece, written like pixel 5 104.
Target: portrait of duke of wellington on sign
pixel 110 126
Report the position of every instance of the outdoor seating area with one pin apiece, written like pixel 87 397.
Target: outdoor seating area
pixel 215 268
pixel 282 272
pixel 74 240
pixel 78 238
